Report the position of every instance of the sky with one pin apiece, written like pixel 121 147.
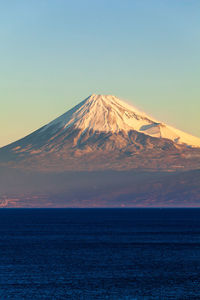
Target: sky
pixel 55 53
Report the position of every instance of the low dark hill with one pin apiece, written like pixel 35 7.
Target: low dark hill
pixel 99 189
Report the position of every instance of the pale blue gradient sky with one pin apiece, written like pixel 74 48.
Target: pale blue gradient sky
pixel 53 54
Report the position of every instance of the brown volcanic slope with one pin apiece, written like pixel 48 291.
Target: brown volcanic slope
pixel 101 151
pixel 103 133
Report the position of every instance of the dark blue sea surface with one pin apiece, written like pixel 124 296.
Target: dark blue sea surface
pixel 99 254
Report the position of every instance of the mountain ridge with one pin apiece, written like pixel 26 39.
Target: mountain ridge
pixel 103 132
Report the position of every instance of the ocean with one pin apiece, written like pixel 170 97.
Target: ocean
pixel 100 253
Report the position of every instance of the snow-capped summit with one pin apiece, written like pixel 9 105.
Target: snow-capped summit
pixel 107 113
pixel 101 113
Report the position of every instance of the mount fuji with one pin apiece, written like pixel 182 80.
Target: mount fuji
pixel 103 132
pixel 103 152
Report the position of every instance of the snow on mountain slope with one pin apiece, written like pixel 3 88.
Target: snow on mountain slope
pixel 107 113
